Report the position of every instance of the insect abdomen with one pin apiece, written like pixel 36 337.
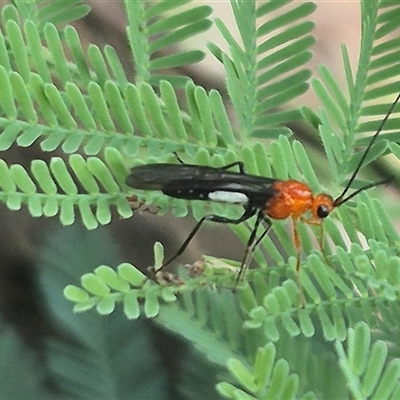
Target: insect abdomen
pixel 221 196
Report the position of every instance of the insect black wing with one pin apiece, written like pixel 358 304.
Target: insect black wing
pixel 198 182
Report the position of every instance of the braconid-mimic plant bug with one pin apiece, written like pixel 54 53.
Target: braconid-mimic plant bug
pixel 267 198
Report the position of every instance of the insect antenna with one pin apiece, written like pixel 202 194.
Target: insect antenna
pixel 342 199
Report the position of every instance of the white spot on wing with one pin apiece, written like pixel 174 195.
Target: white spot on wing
pixel 228 197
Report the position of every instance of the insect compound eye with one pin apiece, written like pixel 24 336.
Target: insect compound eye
pixel 323 211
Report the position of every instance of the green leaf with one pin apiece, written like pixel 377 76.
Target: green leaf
pixel 131 274
pixel 75 294
pixel 94 285
pixel 151 304
pixel 150 39
pixel 242 374
pixel 254 79
pixel 378 377
pixel 111 278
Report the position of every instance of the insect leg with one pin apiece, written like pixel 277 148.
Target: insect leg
pixel 318 222
pixel 249 212
pixel 297 243
pixel 252 244
pixel 266 230
pixel 179 158
pixel 240 164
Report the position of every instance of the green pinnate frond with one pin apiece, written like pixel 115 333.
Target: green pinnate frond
pixel 151 37
pixel 56 12
pixel 129 286
pixel 34 62
pixel 103 117
pixel 371 91
pixel 368 370
pixel 266 70
pixel 106 287
pixel 333 299
pixel 114 112
pixel 365 286
pixel 38 188
pixel 49 59
pixel 270 378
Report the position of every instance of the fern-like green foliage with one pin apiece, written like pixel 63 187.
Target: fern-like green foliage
pixel 363 366
pixel 151 37
pixel 101 123
pixel 269 379
pixel 43 12
pixel 266 69
pixel 368 371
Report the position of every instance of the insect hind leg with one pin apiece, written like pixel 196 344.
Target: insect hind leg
pixel 252 244
pixel 248 213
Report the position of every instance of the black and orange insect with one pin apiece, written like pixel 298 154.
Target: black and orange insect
pixel 267 198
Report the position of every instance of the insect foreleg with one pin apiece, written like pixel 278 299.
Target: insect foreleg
pixel 316 222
